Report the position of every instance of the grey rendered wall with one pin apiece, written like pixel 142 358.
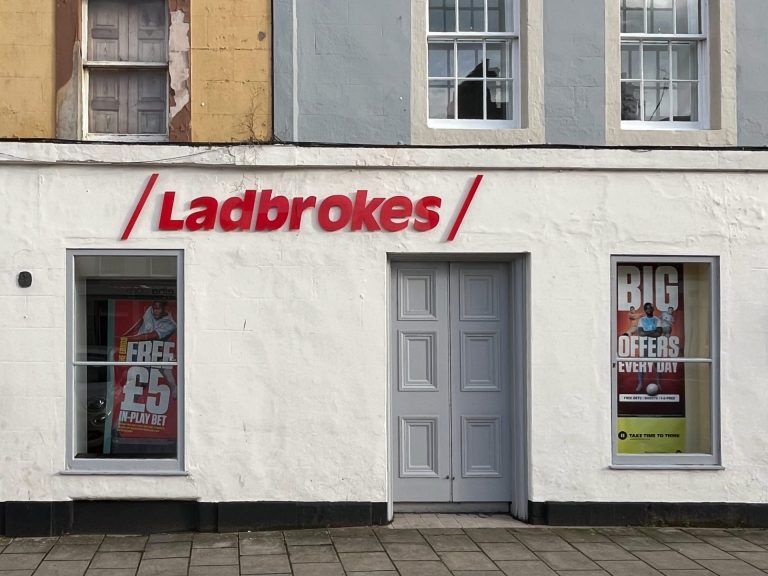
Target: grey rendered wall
pixel 752 72
pixel 574 68
pixel 342 71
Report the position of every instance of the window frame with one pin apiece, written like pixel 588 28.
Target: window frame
pixel 676 461
pixel 702 42
pixel 87 65
pixel 136 466
pixel 722 118
pixel 459 36
pixel 530 129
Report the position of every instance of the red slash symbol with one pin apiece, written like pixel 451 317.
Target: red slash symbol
pixel 464 207
pixel 139 206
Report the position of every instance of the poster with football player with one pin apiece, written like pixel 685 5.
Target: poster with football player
pixel 650 336
pixel 143 395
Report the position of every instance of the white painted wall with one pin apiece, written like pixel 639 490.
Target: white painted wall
pixel 286 360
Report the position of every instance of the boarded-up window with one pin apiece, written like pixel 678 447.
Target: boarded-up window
pixel 127 67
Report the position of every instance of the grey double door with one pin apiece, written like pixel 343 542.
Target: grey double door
pixel 451 399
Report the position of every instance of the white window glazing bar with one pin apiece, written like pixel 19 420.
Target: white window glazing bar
pixel 485 83
pixel 456 75
pixel 676 360
pixel 107 363
pixel 642 82
pixel 672 97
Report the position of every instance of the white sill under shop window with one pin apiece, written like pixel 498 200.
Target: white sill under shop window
pixel 666 401
pixel 125 389
pixel 473 48
pixel 126 69
pixel 663 64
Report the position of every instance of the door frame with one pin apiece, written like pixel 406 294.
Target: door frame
pixel 519 303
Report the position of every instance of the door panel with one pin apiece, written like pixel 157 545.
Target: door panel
pixel 480 383
pixel 420 399
pixel 452 399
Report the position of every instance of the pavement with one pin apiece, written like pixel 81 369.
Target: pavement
pixel 414 545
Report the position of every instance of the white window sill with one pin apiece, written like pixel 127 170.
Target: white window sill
pixel 711 467
pixel 472 124
pixel 137 472
pixel 126 137
pixel 662 126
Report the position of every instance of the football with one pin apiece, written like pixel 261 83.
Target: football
pixel 652 389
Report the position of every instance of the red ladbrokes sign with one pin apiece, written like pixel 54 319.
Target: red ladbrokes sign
pixel 265 210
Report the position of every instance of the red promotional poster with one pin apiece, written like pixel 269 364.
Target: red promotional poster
pixel 650 335
pixel 144 395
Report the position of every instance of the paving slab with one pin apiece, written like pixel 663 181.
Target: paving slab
pixel 110 572
pixel 366 544
pixel 351 532
pixel 215 541
pixel 264 535
pixel 543 541
pixel 670 535
pixel 641 543
pixel 365 561
pixel 254 547
pixel 214 571
pixel 603 551
pixel 72 552
pixel 525 568
pixel 307 537
pixel 116 560
pixel 421 568
pixel 267 564
pixel 123 544
pixel 312 554
pixel 398 551
pixel 757 559
pixel 732 544
pixel 733 567
pixel 490 535
pixel 668 560
pixel 167 550
pixel 700 551
pixel 30 545
pixel 177 537
pixel 507 551
pixel 569 560
pixel 325 569
pixel 213 557
pixel 466 561
pixel 581 535
pixel 628 568
pixel 20 561
pixel 81 539
pixel 474 573
pixel 759 537
pixel 451 543
pixel 404 536
pixel 164 567
pixel 701 572
pixel 62 568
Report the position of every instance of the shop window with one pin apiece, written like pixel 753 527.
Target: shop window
pixel 473 63
pixel 125 71
pixel 665 361
pixel 664 64
pixel 124 349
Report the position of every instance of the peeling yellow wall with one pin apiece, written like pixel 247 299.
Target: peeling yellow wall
pixel 231 56
pixel 27 69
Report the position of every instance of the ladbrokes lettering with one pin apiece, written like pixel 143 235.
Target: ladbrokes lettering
pixel 266 211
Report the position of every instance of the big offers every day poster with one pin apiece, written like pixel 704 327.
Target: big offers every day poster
pixel 650 385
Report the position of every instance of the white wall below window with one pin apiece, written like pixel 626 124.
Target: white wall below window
pixel 286 332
